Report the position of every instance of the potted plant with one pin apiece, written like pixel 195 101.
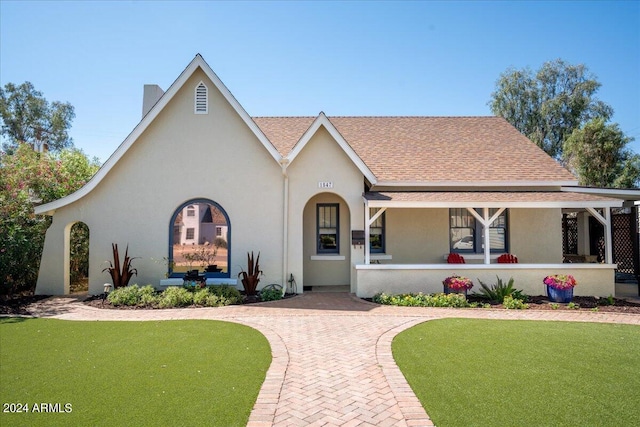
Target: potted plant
pixel 560 287
pixel 457 284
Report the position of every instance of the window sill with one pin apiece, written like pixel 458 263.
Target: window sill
pixel 379 256
pixel 328 258
pixel 174 281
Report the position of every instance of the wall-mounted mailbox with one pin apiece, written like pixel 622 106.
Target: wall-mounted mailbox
pixel 357 237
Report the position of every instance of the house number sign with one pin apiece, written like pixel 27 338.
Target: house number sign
pixel 325 184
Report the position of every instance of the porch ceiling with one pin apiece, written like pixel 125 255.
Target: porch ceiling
pixel 488 199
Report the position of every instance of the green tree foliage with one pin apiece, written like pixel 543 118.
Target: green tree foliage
pixel 549 105
pixel 28 178
pixel 597 153
pixel 28 118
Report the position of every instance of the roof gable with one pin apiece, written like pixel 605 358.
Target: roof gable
pixel 197 62
pixel 284 131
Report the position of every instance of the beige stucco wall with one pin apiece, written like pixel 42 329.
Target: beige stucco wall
pixel 180 156
pixel 593 280
pixel 323 160
pixel 416 236
pixel 535 235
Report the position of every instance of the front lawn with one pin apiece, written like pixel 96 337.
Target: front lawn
pixel 469 372
pixel 164 373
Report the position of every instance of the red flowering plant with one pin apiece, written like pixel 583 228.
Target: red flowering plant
pixel 560 281
pixel 458 283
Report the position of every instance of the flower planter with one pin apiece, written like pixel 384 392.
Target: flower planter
pixel 559 295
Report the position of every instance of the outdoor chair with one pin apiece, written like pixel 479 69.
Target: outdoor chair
pixel 507 259
pixel 454 258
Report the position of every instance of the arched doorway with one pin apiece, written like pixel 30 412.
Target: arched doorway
pixel 76 258
pixel 326 242
pixel 200 239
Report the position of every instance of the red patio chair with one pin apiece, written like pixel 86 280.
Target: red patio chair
pixel 507 259
pixel 454 258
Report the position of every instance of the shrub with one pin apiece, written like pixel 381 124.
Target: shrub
pixel 498 291
pixel 511 303
pixel 175 297
pixel 220 242
pixel 127 295
pixel 271 293
pixel 422 300
pixel 228 293
pixel 200 297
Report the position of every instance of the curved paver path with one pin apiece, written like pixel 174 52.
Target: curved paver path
pixel 332 363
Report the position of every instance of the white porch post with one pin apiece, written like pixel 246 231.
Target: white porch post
pixel 367 231
pixel 487 236
pixel 605 220
pixel 486 224
pixel 367 238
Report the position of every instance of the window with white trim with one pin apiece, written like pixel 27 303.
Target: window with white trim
pixel 376 233
pixel 328 228
pixel 466 236
pixel 191 233
pixel 201 99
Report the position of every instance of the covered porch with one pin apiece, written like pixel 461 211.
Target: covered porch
pixel 527 224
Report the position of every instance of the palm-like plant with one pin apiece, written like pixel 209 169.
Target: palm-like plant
pixel 251 277
pixel 120 275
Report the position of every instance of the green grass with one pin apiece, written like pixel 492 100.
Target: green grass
pixel 165 373
pixel 523 373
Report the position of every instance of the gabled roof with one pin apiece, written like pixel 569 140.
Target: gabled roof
pixel 434 151
pixel 389 151
pixel 289 142
pixel 195 64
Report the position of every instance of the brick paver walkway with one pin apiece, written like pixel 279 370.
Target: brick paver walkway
pixel 332 362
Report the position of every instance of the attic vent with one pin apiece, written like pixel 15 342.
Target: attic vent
pixel 202 100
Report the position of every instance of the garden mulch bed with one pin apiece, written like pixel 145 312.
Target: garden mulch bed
pixel 20 304
pixel 580 303
pixel 96 301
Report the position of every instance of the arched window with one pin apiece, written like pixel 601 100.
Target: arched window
pixel 200 239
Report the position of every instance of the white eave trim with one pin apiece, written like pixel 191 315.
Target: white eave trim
pixel 618 193
pixel 500 184
pixel 322 120
pixel 497 204
pixel 197 62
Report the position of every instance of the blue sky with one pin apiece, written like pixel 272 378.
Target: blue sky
pixel 299 58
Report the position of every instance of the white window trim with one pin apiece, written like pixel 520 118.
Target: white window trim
pixel 206 99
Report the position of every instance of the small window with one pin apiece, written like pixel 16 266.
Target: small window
pixel 328 226
pixel 190 233
pixel 218 231
pixel 191 211
pixel 376 233
pixel 202 99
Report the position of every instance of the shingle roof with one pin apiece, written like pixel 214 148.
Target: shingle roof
pixel 431 149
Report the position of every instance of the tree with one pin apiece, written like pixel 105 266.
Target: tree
pixel 28 118
pixel 28 177
pixel 548 106
pixel 597 153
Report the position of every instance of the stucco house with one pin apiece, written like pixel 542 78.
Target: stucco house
pixel 375 203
